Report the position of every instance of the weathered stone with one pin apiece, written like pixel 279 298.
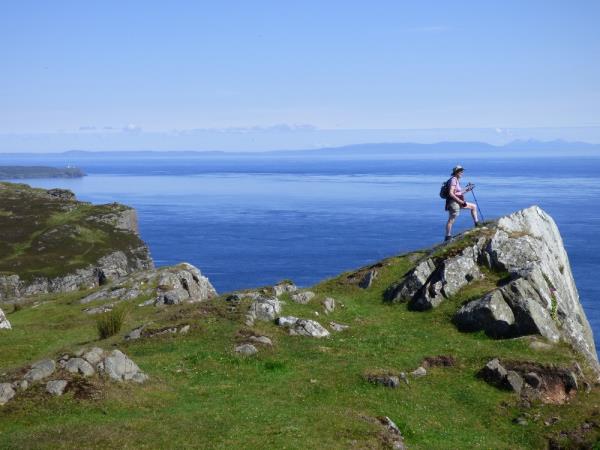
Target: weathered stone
pixel 264 340
pixel 56 387
pixel 283 287
pixel 246 349
pixel 303 297
pixel 94 355
pixel 328 305
pixel 80 366
pixel 367 281
pixel 419 372
pixel 40 370
pixel 393 436
pixel 338 326
pixel 264 308
pixel 513 381
pixel 184 329
pixel 134 334
pixel 119 367
pixel 6 393
pixel 493 372
pixel 528 244
pixel 412 283
pixel 490 313
pixel 448 278
pixel 307 327
pixel 390 381
pixel 286 321
pixel 4 323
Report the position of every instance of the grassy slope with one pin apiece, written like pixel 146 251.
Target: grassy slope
pixel 303 393
pixel 44 236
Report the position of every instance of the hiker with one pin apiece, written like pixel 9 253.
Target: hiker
pixel 455 201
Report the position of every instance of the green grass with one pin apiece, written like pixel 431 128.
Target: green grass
pixel 302 393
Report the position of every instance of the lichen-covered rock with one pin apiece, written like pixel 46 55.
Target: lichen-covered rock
pixel 303 327
pixel 263 308
pixel 246 350
pixel 6 393
pixel 94 355
pixel 412 283
pixel 338 326
pixel 449 277
pixel 264 340
pixel 4 323
pixel 528 244
pixel 328 305
pixel 119 367
pixel 490 313
pixel 303 297
pixel 56 387
pixel 40 370
pixel 80 366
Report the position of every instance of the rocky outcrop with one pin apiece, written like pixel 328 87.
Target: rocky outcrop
pixel 63 373
pixel 263 308
pixel 4 323
pixel 183 283
pixel 539 297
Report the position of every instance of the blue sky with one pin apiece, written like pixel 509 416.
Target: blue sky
pixel 75 73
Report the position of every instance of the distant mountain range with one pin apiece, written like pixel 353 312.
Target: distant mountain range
pixel 533 146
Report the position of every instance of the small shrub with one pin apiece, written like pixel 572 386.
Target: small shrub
pixel 110 322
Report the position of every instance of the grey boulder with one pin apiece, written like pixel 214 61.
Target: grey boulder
pixel 303 297
pixel 119 367
pixel 56 387
pixel 79 366
pixel 6 393
pixel 40 370
pixel 246 350
pixel 4 323
pixel 303 327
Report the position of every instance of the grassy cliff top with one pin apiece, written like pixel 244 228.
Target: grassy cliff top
pixel 299 393
pixel 49 233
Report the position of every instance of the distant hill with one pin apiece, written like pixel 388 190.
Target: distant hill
pixel 22 172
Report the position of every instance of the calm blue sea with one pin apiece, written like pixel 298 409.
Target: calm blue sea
pixel 251 221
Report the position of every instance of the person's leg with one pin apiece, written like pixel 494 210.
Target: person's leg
pixel 473 208
pixel 453 211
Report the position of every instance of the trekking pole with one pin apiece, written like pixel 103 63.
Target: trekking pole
pixel 476 202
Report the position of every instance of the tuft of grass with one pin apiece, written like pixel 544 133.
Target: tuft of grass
pixel 110 323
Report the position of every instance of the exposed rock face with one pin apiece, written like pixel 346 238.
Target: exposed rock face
pixel 246 349
pixel 447 279
pixel 540 297
pixel 182 283
pixel 4 323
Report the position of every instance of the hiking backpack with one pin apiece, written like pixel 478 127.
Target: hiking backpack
pixel 445 189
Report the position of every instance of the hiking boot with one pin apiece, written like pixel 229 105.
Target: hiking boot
pixel 478 224
pixel 447 238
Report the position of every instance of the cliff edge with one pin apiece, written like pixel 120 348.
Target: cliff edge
pixel 53 243
pixel 535 293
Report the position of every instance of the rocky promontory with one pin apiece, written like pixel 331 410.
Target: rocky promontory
pixel 53 243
